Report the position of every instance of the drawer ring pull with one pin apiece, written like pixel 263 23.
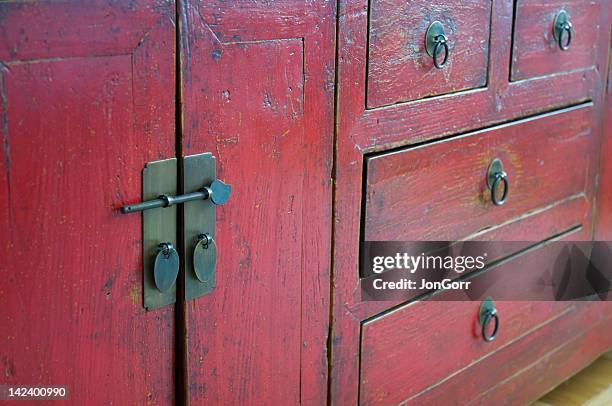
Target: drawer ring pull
pixel 496 176
pixel 562 25
pixel 485 325
pixel 499 177
pixel 488 312
pixel 436 42
pixel 441 41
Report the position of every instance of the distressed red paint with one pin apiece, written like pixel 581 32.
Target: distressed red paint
pixel 258 93
pixel 87 100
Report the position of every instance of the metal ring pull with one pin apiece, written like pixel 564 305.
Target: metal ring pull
pixel 499 178
pixel 492 315
pixel 495 177
pixel 435 42
pixel 563 28
pixel 440 40
pixel 166 248
pixel 567 27
pixel 487 313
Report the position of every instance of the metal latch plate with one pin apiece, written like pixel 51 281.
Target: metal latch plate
pixel 199 171
pixel 159 226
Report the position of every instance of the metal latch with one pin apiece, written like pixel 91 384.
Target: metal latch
pixel 218 192
pixel 203 192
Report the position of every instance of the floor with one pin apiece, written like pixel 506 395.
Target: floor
pixel 590 387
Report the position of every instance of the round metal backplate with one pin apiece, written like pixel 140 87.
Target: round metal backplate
pixel 205 260
pixel 486 307
pixel 166 269
pixel 495 168
pixel 560 20
pixel 436 28
pixel 220 192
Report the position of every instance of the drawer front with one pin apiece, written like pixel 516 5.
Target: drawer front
pixel 439 191
pixel 536 51
pixel 398 365
pixel 399 68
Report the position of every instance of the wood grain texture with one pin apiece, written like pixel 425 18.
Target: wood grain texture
pixel 87 99
pixel 397 364
pixel 533 364
pixel 258 94
pixel 541 223
pixel 535 51
pixel 440 191
pixel 453 333
pixel 535 226
pixel 399 68
pixel 590 387
pixel 546 372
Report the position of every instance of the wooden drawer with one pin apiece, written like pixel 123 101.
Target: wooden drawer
pixel 535 50
pixel 416 352
pixel 454 363
pixel 399 68
pixel 439 191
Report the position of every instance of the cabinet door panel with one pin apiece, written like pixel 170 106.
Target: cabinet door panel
pixel 87 99
pixel 258 94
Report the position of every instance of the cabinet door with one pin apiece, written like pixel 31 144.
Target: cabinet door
pixel 258 93
pixel 87 98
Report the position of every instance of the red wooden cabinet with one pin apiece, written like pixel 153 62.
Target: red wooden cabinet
pixel 334 127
